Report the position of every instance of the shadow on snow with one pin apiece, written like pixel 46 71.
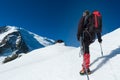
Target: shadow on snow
pixel 105 59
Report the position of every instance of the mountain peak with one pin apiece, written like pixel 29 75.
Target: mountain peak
pixel 13 35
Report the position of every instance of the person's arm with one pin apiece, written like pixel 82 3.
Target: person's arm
pixel 99 37
pixel 80 28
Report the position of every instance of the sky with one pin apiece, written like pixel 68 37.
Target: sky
pixel 57 19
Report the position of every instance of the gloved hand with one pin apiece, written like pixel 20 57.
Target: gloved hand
pixel 78 37
pixel 100 40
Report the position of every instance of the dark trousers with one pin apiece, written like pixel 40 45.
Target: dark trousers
pixel 86 47
pixel 86 41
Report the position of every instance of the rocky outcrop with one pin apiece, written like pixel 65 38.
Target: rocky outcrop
pixel 12 41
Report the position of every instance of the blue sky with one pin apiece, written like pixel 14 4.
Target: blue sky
pixel 57 19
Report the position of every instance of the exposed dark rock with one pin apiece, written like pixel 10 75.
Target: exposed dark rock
pixel 7 59
pixel 59 41
pixel 14 40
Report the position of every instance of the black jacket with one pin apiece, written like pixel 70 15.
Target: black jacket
pixel 85 23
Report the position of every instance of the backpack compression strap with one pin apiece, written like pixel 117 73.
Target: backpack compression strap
pixel 96 14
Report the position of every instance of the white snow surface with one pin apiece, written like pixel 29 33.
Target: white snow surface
pixel 60 62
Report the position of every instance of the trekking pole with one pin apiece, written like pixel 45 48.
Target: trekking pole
pixel 101 49
pixel 81 47
pixel 86 71
pixel 82 52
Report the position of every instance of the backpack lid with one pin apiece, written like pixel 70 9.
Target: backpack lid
pixel 96 13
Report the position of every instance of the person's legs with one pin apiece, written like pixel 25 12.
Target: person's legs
pixel 86 58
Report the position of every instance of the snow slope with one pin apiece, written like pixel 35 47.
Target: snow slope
pixel 59 62
pixel 35 41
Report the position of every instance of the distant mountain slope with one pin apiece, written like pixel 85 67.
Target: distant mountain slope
pixel 19 40
pixel 35 41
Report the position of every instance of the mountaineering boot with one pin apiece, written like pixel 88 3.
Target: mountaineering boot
pixel 83 71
